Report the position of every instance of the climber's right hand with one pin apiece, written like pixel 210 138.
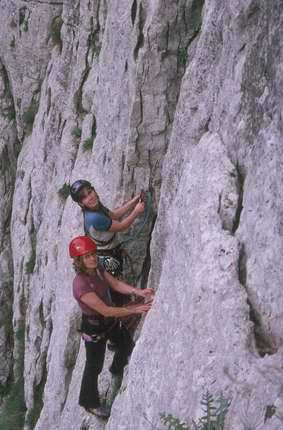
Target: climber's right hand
pixel 139 208
pixel 140 308
pixel 142 196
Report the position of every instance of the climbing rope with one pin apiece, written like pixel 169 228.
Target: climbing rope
pixel 147 197
pixel 147 211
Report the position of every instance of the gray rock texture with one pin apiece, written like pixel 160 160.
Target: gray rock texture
pixel 182 96
pixel 8 158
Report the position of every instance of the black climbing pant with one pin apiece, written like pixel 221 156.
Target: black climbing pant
pixel 95 353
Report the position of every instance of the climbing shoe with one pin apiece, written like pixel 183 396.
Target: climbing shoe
pixel 100 411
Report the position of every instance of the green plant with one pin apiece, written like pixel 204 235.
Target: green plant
pixel 55 30
pixel 195 17
pixel 76 132
pixel 93 129
pixel 12 416
pixel 11 115
pixel 6 309
pixel 64 191
pixel 29 266
pixel 29 116
pixel 13 43
pixel 4 390
pixel 269 412
pixel 173 423
pixel 93 45
pixel 34 413
pixel 25 26
pixel 215 411
pixel 96 50
pixel 13 408
pixel 88 144
pixel 182 56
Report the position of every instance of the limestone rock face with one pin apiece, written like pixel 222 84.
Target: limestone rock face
pixel 184 97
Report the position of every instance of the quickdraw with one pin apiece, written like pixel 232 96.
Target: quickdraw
pixel 110 264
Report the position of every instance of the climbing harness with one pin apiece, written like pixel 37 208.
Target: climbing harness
pixel 100 242
pixel 96 337
pixel 92 338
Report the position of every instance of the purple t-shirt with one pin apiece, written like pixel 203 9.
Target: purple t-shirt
pixel 85 283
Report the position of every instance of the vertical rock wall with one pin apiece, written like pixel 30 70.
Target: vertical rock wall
pixel 184 96
pixel 216 245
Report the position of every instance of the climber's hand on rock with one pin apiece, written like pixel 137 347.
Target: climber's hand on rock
pixel 147 293
pixel 136 198
pixel 139 309
pixel 139 208
pixel 142 196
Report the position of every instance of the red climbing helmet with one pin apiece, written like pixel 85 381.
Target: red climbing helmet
pixel 81 245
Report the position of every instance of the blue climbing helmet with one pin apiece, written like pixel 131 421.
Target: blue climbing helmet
pixel 77 187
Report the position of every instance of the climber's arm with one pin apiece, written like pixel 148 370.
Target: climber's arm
pixel 124 288
pixel 95 303
pixel 117 214
pixel 123 225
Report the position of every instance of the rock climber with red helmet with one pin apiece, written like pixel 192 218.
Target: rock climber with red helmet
pixel 91 289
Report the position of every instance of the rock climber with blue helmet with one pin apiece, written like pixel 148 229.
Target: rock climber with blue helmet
pixel 102 224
